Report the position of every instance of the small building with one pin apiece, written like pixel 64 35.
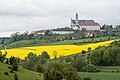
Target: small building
pixel 63 31
pixel 84 24
pixel 56 31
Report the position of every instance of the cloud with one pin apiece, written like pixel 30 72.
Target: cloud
pixel 25 15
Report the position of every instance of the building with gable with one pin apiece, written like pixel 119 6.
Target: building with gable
pixel 84 24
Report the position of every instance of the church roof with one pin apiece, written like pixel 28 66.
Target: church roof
pixel 89 24
pixel 86 23
pixel 81 21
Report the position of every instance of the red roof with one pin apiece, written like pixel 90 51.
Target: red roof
pixel 89 24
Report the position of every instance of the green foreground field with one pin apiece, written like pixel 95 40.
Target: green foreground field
pixel 23 74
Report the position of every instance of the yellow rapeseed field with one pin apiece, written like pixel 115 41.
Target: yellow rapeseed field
pixel 53 50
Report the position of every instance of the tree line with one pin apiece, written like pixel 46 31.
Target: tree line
pixel 106 55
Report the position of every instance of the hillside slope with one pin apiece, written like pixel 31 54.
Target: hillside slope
pixel 23 74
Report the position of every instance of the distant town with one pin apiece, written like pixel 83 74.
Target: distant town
pixel 78 29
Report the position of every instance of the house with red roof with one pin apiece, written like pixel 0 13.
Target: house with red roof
pixel 84 24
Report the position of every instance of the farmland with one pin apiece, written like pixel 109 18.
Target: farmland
pixel 53 50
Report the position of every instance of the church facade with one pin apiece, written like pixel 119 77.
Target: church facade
pixel 84 24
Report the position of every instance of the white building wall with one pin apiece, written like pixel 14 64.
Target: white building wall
pixel 90 27
pixel 63 32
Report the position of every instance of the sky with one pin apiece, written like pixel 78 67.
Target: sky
pixel 32 15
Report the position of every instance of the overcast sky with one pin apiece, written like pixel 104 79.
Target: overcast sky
pixel 31 15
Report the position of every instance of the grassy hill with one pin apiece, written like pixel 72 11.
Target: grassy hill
pixel 23 74
pixel 25 43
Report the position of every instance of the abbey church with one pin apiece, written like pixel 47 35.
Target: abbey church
pixel 84 24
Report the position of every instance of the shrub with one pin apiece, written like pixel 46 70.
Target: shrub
pixel 14 63
pixel 32 57
pixel 29 65
pixel 40 69
pixel 54 71
pixel 68 59
pixel 15 66
pixel 86 78
pixel 15 77
pixel 45 55
pixel 78 64
pixel 9 67
pixel 53 75
pixel 56 65
pixel 70 73
pixel 83 51
pixel 6 73
pixel 91 68
pixel 11 71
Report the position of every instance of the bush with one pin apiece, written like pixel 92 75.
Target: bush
pixel 6 73
pixel 32 57
pixel 91 68
pixel 53 75
pixel 14 63
pixel 29 65
pixel 86 78
pixel 78 64
pixel 83 51
pixel 68 59
pixel 15 77
pixel 40 69
pixel 11 71
pixel 15 67
pixel 45 55
pixel 70 73
pixel 56 65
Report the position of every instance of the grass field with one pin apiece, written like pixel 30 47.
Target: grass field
pixel 69 42
pixel 23 74
pixel 107 73
pixel 100 75
pixel 57 50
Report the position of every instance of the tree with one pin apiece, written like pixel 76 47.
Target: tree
pixel 89 49
pixel 53 75
pixel 57 71
pixel 56 65
pixel 14 63
pixel 106 56
pixel 111 56
pixel 32 57
pixel 70 73
pixel 53 71
pixel 45 55
pixel 55 55
pixel 78 64
pixel 96 56
pixel 83 51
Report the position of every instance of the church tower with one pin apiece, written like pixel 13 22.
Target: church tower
pixel 76 20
